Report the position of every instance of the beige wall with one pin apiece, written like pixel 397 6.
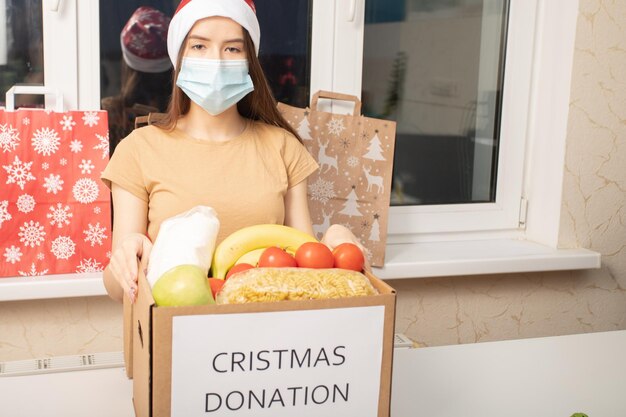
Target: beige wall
pixel 474 309
pixel 461 309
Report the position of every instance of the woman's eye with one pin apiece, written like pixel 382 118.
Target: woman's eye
pixel 233 50
pixel 197 47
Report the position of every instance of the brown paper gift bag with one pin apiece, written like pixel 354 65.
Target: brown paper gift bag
pixel 353 184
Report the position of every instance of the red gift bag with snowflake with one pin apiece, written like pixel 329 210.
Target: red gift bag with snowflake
pixel 55 213
pixel 353 185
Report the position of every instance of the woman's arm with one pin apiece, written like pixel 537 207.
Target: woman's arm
pixel 129 243
pixel 297 215
pixel 297 208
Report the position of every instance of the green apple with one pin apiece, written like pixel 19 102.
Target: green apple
pixel 183 285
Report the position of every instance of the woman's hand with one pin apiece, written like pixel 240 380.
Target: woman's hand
pixel 123 263
pixel 337 234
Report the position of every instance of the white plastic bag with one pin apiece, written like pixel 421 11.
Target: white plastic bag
pixel 188 238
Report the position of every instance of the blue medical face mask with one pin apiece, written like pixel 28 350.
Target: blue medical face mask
pixel 214 84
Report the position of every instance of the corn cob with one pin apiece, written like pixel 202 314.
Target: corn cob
pixel 276 284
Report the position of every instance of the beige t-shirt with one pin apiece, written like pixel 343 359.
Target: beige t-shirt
pixel 244 179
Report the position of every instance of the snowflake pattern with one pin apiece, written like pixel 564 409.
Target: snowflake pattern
pixel 85 190
pixel 45 141
pixel 59 215
pixel 89 265
pixel 63 247
pixel 91 118
pixel 86 166
pixel 68 122
pixel 103 145
pixel 4 212
pixel 322 190
pixel 95 234
pixel 25 203
pixel 32 272
pixel 335 126
pixel 35 246
pixel 19 172
pixel 53 184
pixel 9 138
pixel 345 143
pixel 353 161
pixel 12 254
pixel 31 234
pixel 76 146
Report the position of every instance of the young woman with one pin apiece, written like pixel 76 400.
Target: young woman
pixel 223 144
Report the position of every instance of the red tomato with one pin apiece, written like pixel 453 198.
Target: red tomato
pixel 216 285
pixel 238 268
pixel 314 255
pixel 349 256
pixel 276 257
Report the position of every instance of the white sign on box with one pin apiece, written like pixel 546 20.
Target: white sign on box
pixel 287 363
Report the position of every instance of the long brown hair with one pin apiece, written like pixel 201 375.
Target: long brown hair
pixel 259 104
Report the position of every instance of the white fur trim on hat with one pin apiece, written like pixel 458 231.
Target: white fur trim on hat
pixel 145 65
pixel 189 14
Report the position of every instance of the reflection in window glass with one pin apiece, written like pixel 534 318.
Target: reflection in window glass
pixel 21 48
pixel 135 82
pixel 127 93
pixel 436 67
pixel 285 48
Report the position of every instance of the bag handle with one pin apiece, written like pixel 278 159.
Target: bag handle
pixel 336 96
pixel 151 118
pixel 33 89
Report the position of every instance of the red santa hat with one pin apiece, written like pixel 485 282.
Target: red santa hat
pixel 144 40
pixel 190 11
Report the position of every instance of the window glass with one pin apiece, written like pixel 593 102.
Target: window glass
pixel 21 48
pixel 131 88
pixel 285 48
pixel 436 67
pixel 127 93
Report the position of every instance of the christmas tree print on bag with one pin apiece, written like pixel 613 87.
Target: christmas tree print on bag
pixel 55 214
pixel 353 184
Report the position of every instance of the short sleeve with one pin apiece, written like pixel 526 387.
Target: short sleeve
pixel 124 168
pixel 298 161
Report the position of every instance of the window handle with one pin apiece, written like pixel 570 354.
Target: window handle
pixel 351 11
pixel 53 5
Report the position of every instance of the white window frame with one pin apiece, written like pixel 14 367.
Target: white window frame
pixel 415 223
pixel 71 36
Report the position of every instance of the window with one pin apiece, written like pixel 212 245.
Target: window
pixel 436 69
pixel 455 75
pixel 326 44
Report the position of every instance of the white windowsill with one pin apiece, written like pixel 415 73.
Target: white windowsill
pixel 51 286
pixel 415 260
pixel 477 257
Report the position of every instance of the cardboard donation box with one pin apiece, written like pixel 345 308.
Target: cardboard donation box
pixel 329 358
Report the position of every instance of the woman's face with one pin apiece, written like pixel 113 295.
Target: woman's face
pixel 215 38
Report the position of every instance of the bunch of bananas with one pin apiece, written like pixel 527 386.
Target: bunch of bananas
pixel 247 244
